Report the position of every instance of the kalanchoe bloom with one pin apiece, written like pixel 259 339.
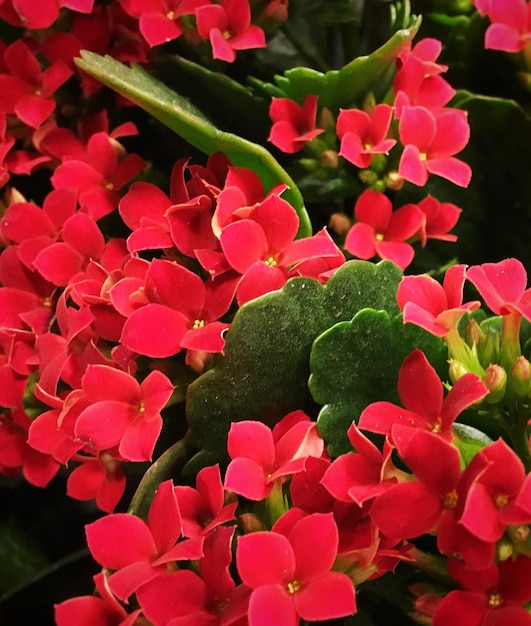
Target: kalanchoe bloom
pixel 363 134
pixel 156 543
pixel 207 598
pixel 491 502
pixel 180 311
pixel 436 308
pixel 207 506
pixel 259 458
pixel 492 596
pixel 28 90
pixel 103 609
pixel 271 252
pixel 359 477
pixel 421 392
pixel 409 509
pixel 100 477
pixel 228 27
pixel 503 286
pixel 293 581
pixel 160 20
pixel 293 124
pixel 510 28
pixel 27 14
pixel 381 231
pixel 101 176
pixel 120 411
pixel 430 142
pixel 441 217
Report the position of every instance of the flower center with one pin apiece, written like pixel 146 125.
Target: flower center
pixel 170 15
pixel 450 500
pixel 271 261
pixel 293 587
pixel 109 186
pixel 198 324
pixel 501 500
pixel 423 156
pixel 379 236
pixel 495 600
pixel 437 426
pixel 142 407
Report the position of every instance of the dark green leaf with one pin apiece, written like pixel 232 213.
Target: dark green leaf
pixel 355 363
pixel 265 370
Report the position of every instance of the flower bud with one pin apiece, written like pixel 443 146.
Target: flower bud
pixel 456 370
pixel 504 549
pixel 330 159
pixel 495 380
pixel 489 349
pixel 521 373
pixel 474 334
pixel 368 177
pixel 250 523
pixel 394 181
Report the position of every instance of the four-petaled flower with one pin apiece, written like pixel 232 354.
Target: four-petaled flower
pixel 293 124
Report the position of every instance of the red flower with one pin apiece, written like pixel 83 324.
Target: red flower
pixel 160 19
pixel 292 580
pixel 381 231
pixel 436 308
pixel 440 218
pixel 28 91
pixel 430 141
pixel 493 596
pixel 207 598
pixel 503 286
pixel 155 544
pixel 364 134
pixel 207 506
pixel 180 311
pixel 259 459
pixel 103 610
pixel 293 125
pixel 120 411
pixel 510 28
pixel 28 14
pixel 421 392
pixel 412 508
pixel 229 28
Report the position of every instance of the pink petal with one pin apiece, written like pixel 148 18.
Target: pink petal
pixel 139 439
pixel 208 338
pixel 247 478
pixel 102 424
pixel 274 553
pixel 379 417
pixel 271 604
pixel 157 29
pixel 411 167
pixel 120 539
pixel 360 241
pixel 400 253
pixel 320 531
pixel 164 517
pixel 258 280
pixel 419 387
pixel 239 255
pixel 102 383
pixel 156 390
pixel 328 597
pixel 58 262
pixel 155 331
pixel 454 170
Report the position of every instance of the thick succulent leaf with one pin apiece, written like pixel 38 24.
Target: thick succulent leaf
pixel 356 362
pixel 350 84
pixel 176 112
pixel 265 370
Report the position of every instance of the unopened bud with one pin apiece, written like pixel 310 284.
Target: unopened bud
pixel 495 380
pixel 330 159
pixel 394 181
pixel 474 334
pixel 504 549
pixel 519 534
pixel 456 370
pixel 521 373
pixel 339 223
pixel 368 177
pixel 489 349
pixel 250 523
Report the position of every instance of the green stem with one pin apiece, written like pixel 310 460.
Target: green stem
pixel 433 565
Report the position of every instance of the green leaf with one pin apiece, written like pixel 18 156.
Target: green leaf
pixel 349 85
pixel 355 363
pixel 176 112
pixel 265 370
